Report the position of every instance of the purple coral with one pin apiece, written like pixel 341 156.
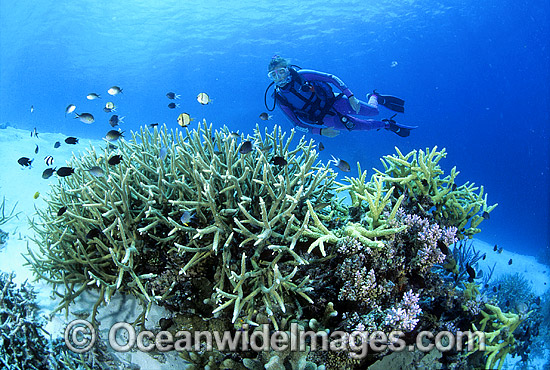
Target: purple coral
pixel 403 317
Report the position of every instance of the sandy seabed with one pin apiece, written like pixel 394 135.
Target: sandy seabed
pixel 19 185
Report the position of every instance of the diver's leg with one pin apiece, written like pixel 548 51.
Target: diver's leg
pixel 367 109
pixel 353 123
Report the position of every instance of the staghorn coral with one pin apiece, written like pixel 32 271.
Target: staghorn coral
pixel 122 230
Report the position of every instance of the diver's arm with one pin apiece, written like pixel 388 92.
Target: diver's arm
pixel 311 75
pixel 299 124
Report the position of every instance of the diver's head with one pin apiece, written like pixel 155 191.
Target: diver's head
pixel 278 70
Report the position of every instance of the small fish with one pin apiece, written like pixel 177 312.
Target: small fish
pixel 115 159
pixel 57 144
pixel 36 149
pixel 424 182
pixel 203 98
pixel 163 152
pixel 114 135
pixel 341 164
pixel 279 161
pixel 71 140
pixel 235 135
pixel 85 117
pixel 485 215
pixel 93 96
pixel 96 171
pixel 173 105
pixel 510 261
pixel 321 147
pixel 35 133
pixel 48 172
pixel 443 247
pixel 32 108
pixel 70 109
pixel 114 90
pixel 265 117
pixel 107 110
pixel 245 147
pixel 184 119
pixel 494 289
pixel 65 171
pixel 112 147
pixel 48 160
pixel 61 211
pixel 153 124
pixel 115 120
pixel 500 250
pixel 484 255
pixel 454 187
pixel 495 248
pixel 471 273
pixel 186 217
pixel 499 286
pixel 93 233
pixel 537 301
pixel 25 162
pixel 172 95
pixel 36 195
pixel 110 106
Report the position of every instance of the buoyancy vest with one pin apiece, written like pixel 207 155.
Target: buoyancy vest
pixel 311 101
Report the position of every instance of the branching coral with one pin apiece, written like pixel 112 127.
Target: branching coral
pixel 121 230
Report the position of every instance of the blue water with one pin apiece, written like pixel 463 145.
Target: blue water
pixel 475 76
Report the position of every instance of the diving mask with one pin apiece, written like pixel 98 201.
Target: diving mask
pixel 281 76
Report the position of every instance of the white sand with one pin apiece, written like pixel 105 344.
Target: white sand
pixel 19 185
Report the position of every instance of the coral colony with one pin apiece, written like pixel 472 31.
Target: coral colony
pixel 230 239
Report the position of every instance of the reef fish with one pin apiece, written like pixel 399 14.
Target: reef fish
pixel 279 161
pixel 485 215
pixel 48 160
pixel 70 109
pixel 65 171
pixel 57 144
pixel 25 162
pixel 36 149
pixel 115 120
pixel 71 140
pixel 245 147
pixel 115 159
pixel 96 171
pixel 171 95
pixel 36 195
pixel 93 96
pixel 173 105
pixel 265 117
pixel 341 164
pixel 184 119
pixel 186 217
pixel 203 98
pixel 85 117
pixel 114 90
pixel 61 210
pixel 48 172
pixel 321 147
pixel 114 135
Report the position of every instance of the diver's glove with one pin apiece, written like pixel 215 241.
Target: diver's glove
pixel 399 129
pixel 355 104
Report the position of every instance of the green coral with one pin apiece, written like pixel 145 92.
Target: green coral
pixel 419 176
pixel 498 328
pixel 122 230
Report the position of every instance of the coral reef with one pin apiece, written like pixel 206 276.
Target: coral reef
pixel 213 226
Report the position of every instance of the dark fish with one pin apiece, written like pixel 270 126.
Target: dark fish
pixel 279 161
pixel 499 286
pixel 154 124
pixel 187 217
pixel 341 164
pixel 93 233
pixel 36 149
pixel 114 135
pixel 265 117
pixel 500 250
pixel 485 215
pixel 510 261
pixel 112 147
pixel 71 140
pixel 114 160
pixel 484 255
pixel 537 301
pixel 65 171
pixel 113 121
pixel 25 162
pixel 173 105
pixel 57 144
pixel 321 147
pixel 107 110
pixel 165 323
pixel 245 147
pixel 85 117
pixel 454 187
pixel 48 160
pixel 507 303
pixel 443 247
pixel 471 273
pixel 61 210
pixel 172 95
pixel 48 172
pixel 495 248
pixel 494 289
pixel 34 132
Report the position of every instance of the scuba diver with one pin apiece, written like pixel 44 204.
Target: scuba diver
pixel 307 99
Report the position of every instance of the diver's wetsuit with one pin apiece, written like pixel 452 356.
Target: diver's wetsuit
pixel 341 110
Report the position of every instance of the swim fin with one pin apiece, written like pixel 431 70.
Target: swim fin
pixel 398 128
pixel 391 102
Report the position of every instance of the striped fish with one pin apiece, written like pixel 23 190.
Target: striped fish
pixel 49 160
